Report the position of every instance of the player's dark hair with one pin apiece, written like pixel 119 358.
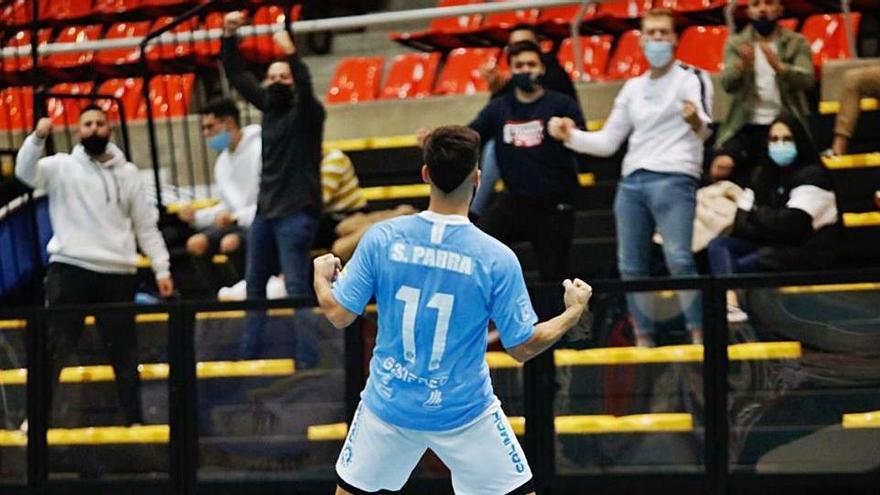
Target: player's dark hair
pixel 522 47
pixel 223 107
pixel 451 154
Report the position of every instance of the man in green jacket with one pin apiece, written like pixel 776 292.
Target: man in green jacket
pixel 767 70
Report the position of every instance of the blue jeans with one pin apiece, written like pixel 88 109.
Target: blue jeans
pixel 666 202
pixel 729 255
pixel 489 176
pixel 272 243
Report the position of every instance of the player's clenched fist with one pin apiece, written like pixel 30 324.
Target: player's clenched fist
pixel 560 127
pixel 44 128
pixel 327 267
pixel 577 293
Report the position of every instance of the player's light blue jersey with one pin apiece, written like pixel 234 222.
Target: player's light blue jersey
pixel 438 280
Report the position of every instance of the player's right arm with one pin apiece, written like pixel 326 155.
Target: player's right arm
pixel 29 168
pixel 577 295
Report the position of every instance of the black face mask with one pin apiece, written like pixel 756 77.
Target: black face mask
pixel 280 95
pixel 526 82
pixel 95 145
pixel 764 26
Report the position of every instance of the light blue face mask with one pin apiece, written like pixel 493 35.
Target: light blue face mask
pixel 782 153
pixel 220 141
pixel 658 53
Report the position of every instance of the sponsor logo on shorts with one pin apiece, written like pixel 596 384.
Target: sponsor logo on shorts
pixel 508 441
pixel 347 454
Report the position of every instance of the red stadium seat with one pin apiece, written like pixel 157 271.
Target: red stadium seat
pixel 496 27
pixel 111 9
pixel 209 50
pixel 620 15
pixel 167 7
pixel 443 33
pixel 130 92
pixel 15 68
pixel 17 109
pixel 115 60
pixel 20 12
pixel 64 11
pixel 595 51
pixel 827 37
pixel 182 49
pixel 65 111
pixel 791 24
pixel 356 79
pixel 63 64
pixel 262 49
pixel 411 76
pixel 628 59
pixel 703 47
pixel 556 21
pixel 461 74
pixel 170 95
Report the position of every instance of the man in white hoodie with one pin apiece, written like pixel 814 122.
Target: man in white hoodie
pixel 99 212
pixel 223 227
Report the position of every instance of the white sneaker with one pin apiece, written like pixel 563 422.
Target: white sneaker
pixel 735 314
pixel 23 427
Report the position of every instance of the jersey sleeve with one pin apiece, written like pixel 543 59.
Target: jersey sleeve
pixel 511 308
pixel 356 283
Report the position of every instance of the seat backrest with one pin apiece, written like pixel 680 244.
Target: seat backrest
pixel 64 10
pixel 460 23
pixel 17 108
pixel 356 79
pixel 119 56
pixel 411 75
pixel 461 74
pixel 826 35
pixel 170 94
pixel 262 49
pixel 20 12
pixel 595 51
pixel 74 34
pixel 65 111
pixel 211 48
pixel 130 92
pixel 564 15
pixel 625 9
pixel 791 23
pixel 181 48
pixel 24 63
pixel 703 47
pixel 690 5
pixel 507 20
pixel 628 59
pixel 111 7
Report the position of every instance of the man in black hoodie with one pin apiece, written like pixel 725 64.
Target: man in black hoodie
pixel 289 203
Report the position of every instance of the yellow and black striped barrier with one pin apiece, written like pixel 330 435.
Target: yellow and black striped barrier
pixel 832 107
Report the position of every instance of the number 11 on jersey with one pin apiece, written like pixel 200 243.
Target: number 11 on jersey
pixel 410 296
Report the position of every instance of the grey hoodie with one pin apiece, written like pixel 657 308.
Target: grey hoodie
pixel 97 209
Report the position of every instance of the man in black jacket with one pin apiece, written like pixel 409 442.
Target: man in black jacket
pixel 289 202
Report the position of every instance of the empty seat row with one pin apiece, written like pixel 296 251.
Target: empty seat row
pixel 20 12
pixel 121 61
pixel 170 95
pixel 413 75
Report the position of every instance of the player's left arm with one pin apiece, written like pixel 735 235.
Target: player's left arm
pixel 327 268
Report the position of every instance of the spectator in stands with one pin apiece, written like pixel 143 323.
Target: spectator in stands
pixel 786 219
pixel 500 83
pixel 665 116
pixel 223 227
pixel 100 213
pixel 345 219
pixel 767 69
pixel 858 82
pixel 289 202
pixel 540 175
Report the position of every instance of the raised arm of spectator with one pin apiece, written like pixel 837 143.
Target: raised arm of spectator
pixel 29 167
pixel 233 64
pixel 697 95
pixel 738 66
pixel 308 101
pixel 600 143
pixel 483 123
pixel 800 73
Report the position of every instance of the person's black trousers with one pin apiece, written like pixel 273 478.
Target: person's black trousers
pixel 546 223
pixel 67 284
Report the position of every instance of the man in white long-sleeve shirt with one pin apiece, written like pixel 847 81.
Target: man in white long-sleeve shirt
pixel 223 227
pixel 99 212
pixel 664 115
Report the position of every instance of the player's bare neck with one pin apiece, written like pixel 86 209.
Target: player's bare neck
pixel 445 206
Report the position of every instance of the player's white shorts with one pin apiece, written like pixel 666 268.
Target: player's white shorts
pixel 484 456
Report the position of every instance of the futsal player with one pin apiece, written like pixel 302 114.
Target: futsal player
pixel 438 280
